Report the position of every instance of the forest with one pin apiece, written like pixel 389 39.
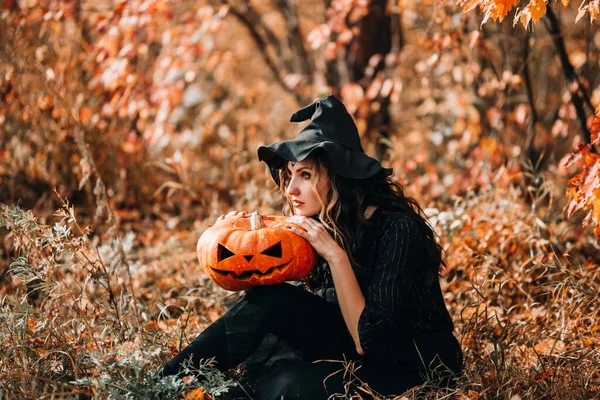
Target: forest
pixel 127 127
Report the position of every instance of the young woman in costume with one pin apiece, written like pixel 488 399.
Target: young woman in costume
pixel 374 297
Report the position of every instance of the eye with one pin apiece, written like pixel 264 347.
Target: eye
pixel 306 175
pixel 273 251
pixel 223 253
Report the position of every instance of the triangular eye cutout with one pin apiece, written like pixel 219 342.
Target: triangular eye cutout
pixel 223 253
pixel 273 251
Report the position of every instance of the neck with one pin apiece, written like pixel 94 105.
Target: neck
pixel 369 211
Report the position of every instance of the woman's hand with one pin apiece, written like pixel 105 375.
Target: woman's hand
pixel 232 214
pixel 318 237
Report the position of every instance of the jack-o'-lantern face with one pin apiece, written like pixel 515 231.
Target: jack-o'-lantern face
pixel 240 252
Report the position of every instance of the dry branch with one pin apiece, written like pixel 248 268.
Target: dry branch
pixel 296 38
pixel 265 39
pixel 579 96
pixel 531 155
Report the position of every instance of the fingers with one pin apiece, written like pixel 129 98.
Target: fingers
pixel 313 228
pixel 315 233
pixel 305 222
pixel 300 232
pixel 232 214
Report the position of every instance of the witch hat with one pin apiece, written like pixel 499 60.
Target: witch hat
pixel 331 129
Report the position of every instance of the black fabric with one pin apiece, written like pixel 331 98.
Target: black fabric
pixel 405 329
pixel 399 303
pixel 331 130
pixel 322 379
pixel 303 320
pixel 390 271
pixel 316 329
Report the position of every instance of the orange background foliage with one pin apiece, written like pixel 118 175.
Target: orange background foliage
pixel 145 115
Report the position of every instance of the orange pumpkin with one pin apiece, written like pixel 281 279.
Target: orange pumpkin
pixel 240 252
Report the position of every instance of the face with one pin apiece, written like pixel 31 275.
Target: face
pixel 300 188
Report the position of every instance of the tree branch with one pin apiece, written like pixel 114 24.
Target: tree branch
pixel 265 38
pixel 531 155
pixel 295 37
pixel 396 28
pixel 579 96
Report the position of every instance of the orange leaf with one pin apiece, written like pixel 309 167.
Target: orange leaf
pixel 496 9
pixel 537 8
pixel 471 394
pixel 594 10
pixel 584 191
pixel 548 346
pixel 544 375
pixel 595 131
pixel 500 8
pixel 85 114
pixel 196 394
pixel 595 212
pixel 524 16
pixel 469 5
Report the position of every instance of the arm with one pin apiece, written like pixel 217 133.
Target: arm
pixel 350 297
pixel 398 256
pixel 370 320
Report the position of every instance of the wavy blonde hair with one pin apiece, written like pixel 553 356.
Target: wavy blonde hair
pixel 343 212
pixel 330 207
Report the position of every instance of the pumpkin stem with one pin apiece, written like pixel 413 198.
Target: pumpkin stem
pixel 256 221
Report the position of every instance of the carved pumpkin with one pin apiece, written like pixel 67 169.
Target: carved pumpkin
pixel 240 252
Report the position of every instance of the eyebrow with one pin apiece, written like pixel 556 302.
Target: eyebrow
pixel 299 169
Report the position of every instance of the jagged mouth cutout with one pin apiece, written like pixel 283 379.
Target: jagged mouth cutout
pixel 249 274
pixel 224 253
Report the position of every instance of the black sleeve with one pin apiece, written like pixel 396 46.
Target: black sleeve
pixel 398 255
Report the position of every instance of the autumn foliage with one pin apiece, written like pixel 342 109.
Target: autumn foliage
pixel 127 127
pixel 534 10
pixel 584 188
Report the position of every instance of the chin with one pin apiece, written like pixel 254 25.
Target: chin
pixel 305 213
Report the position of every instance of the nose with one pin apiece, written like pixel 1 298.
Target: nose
pixel 248 258
pixel 292 188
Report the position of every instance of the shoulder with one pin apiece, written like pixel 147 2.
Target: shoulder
pixel 387 222
pixel 396 237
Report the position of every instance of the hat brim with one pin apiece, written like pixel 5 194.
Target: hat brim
pixel 345 162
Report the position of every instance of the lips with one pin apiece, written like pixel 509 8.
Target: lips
pixel 297 203
pixel 256 273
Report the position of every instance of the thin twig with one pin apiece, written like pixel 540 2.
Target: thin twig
pixel 579 96
pixel 19 375
pixel 295 37
pixel 264 40
pixel 530 96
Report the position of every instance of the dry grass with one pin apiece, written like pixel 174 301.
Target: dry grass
pixel 521 285
pixel 93 312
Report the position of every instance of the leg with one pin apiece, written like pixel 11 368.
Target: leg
pixel 302 380
pixel 210 343
pixel 322 379
pixel 305 321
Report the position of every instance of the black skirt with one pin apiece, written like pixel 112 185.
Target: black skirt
pixel 296 345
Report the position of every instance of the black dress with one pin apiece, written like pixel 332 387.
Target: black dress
pixel 405 330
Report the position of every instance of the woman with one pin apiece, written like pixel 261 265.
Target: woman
pixel 374 298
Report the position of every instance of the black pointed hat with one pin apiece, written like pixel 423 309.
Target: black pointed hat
pixel 331 129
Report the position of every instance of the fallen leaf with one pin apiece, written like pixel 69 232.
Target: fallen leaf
pixel 196 394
